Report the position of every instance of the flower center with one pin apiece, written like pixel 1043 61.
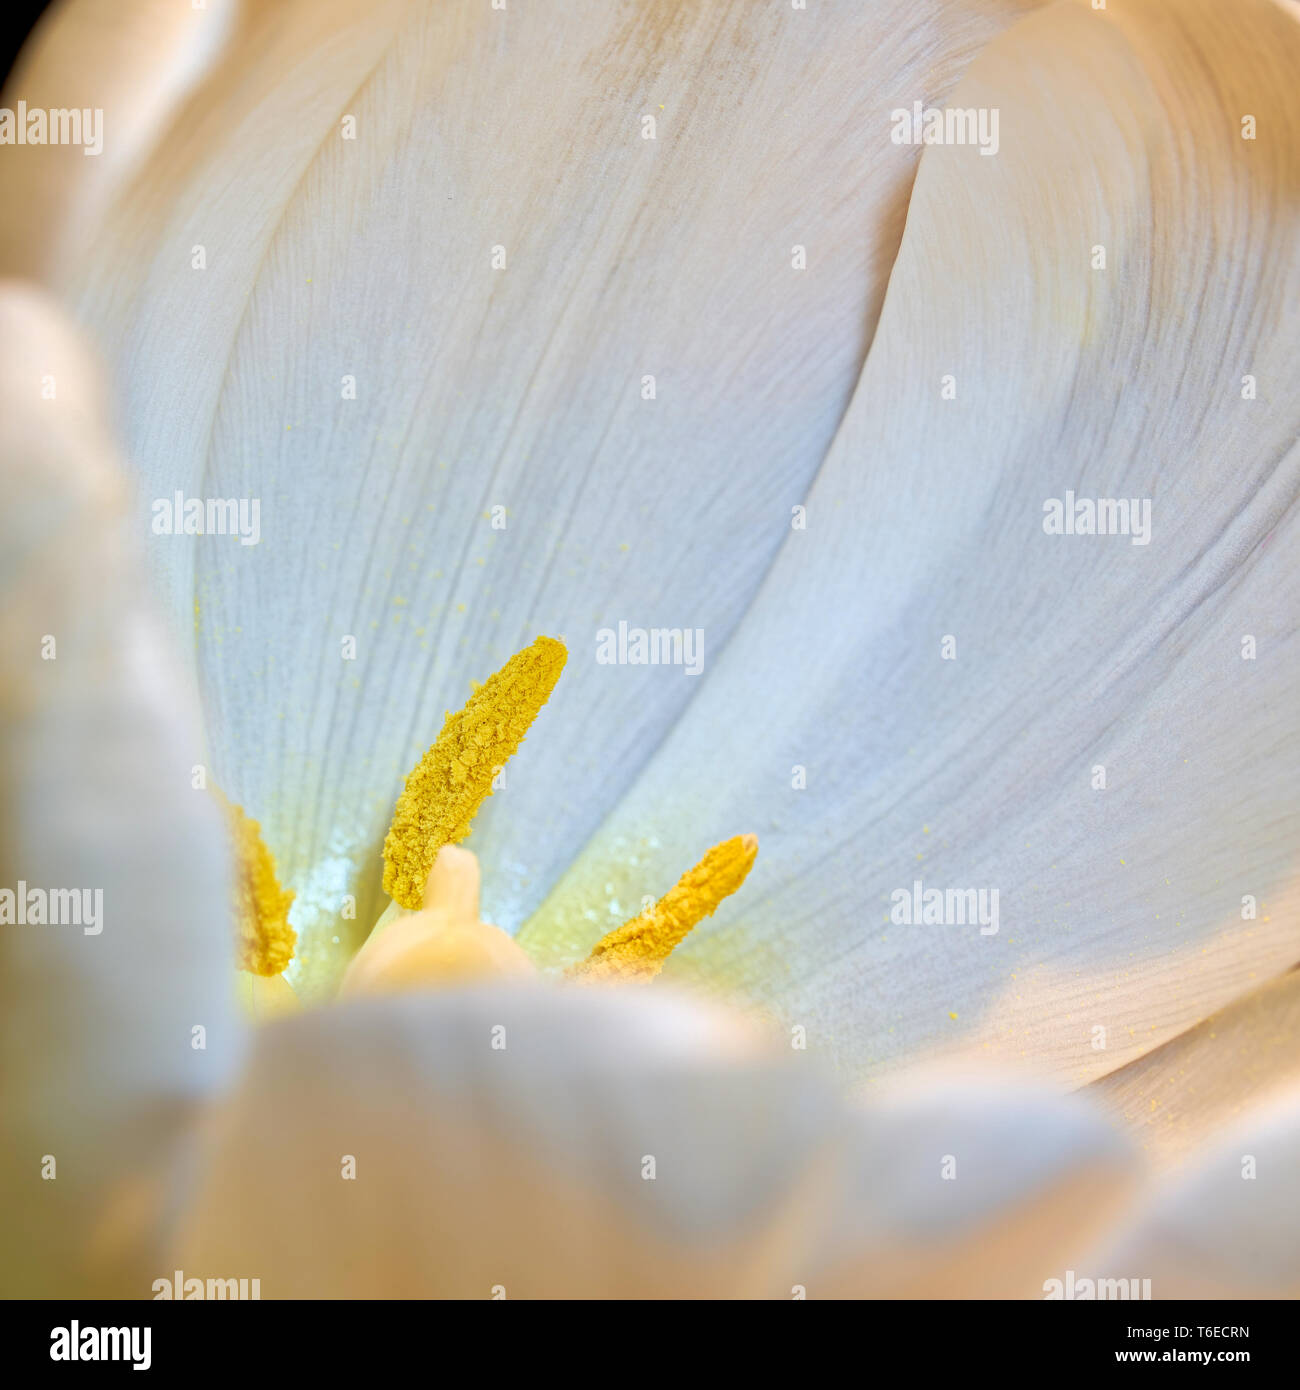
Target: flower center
pixel 439 800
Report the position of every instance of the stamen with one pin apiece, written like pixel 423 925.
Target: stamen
pixel 452 780
pixel 266 940
pixel 637 950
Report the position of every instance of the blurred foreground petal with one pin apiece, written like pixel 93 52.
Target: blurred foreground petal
pixel 971 1187
pixel 1228 1226
pixel 584 1142
pixel 130 63
pixel 108 1033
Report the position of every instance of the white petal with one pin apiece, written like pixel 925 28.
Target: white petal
pixel 1230 1226
pixel 132 62
pixel 1119 910
pixel 608 1143
pixel 970 1186
pixel 97 745
pixel 478 388
pixel 1178 1098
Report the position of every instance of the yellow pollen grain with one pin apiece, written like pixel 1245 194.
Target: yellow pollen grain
pixel 448 785
pixel 637 950
pixel 266 940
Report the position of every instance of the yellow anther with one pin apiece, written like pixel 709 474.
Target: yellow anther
pixel 452 780
pixel 637 950
pixel 266 939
